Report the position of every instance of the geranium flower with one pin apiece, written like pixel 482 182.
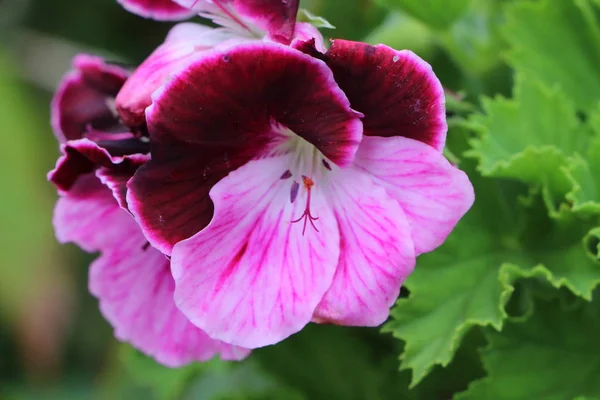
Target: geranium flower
pixel 288 189
pixel 131 279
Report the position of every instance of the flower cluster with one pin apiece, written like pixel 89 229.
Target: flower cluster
pixel 246 180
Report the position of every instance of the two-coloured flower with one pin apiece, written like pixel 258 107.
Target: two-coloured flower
pixel 290 185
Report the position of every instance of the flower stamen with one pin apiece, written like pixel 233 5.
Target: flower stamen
pixel 307 216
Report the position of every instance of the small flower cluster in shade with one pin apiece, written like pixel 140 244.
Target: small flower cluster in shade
pixel 246 180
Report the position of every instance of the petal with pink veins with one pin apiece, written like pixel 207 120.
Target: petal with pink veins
pixel 135 288
pixel 131 279
pixel 432 192
pixel 162 10
pixel 396 91
pixel 83 98
pixel 252 277
pixel 376 252
pixel 223 110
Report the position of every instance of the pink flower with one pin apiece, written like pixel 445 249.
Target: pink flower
pixel 131 279
pixel 291 188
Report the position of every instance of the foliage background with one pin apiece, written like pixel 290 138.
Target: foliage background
pixel 506 309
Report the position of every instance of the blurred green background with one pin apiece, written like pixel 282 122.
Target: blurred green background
pixel 54 344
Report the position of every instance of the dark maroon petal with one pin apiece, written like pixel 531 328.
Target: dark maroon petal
pixel 222 111
pixel 162 10
pixel 396 91
pixel 278 17
pixel 82 100
pixel 84 156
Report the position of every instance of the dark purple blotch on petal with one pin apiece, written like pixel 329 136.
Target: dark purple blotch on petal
pixel 83 100
pixel 83 156
pixel 397 91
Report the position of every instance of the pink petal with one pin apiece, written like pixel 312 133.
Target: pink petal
pixel 135 288
pixel 252 278
pixel 306 32
pixel 82 99
pixel 225 109
pixel 163 10
pixel 396 91
pixel 278 17
pixel 433 194
pixel 184 42
pixel 82 215
pixel 376 252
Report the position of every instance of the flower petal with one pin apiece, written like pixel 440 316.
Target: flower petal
pixel 278 17
pixel 184 42
pixel 82 100
pixel 81 215
pixel 162 10
pixel 134 285
pixel 306 32
pixel 396 91
pixel 222 111
pixel 84 156
pixel 376 252
pixel 433 194
pixel 252 278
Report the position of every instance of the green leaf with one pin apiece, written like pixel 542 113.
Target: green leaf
pixel 315 20
pixel 584 174
pixel 469 280
pixel 439 14
pixel 529 137
pixel 558 42
pixel 459 285
pixel 554 355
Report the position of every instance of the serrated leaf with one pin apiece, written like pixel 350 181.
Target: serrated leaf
pixel 558 42
pixel 469 280
pixel 439 14
pixel 584 174
pixel 554 355
pixel 529 137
